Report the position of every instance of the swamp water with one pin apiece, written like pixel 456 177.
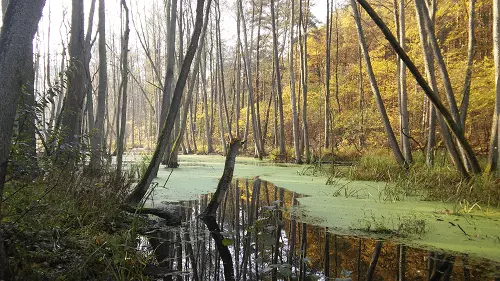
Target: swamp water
pixel 257 215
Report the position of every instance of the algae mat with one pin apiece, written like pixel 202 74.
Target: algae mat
pixel 346 207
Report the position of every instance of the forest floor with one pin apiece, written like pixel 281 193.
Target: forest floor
pixel 348 207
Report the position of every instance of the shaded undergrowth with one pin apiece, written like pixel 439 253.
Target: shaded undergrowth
pixel 68 226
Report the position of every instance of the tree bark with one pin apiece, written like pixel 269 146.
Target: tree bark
pixel 494 147
pixel 378 98
pixel 207 118
pixel 429 69
pixel 123 90
pixel 403 104
pixel 248 69
pixel 192 81
pixel 169 76
pixel 295 119
pixel 328 45
pixel 73 105
pixel 103 82
pixel 20 23
pixel 471 51
pixel 304 78
pixel 281 130
pixel 141 188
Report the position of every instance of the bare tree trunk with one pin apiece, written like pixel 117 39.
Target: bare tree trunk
pixel 169 76
pixel 123 90
pixel 221 70
pixel 248 70
pixel 361 100
pixel 336 58
pixel 327 72
pixel 295 120
pixel 72 111
pixel 403 105
pixel 471 50
pixel 494 147
pixel 304 78
pixel 103 82
pixel 141 188
pixel 208 131
pixel 16 46
pixel 431 77
pixel 385 119
pixel 281 130
pixel 428 60
pixel 259 94
pixel 192 81
pixel 238 73
pixel 458 133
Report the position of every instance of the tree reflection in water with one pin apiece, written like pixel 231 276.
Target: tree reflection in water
pixel 267 241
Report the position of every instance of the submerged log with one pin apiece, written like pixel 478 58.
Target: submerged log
pixel 169 216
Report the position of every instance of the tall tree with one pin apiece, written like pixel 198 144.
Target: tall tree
pixel 74 101
pixel 169 76
pixel 123 89
pixel 303 22
pixel 373 82
pixel 276 59
pixel 429 63
pixel 293 103
pixel 403 98
pixel 143 185
pixel 249 82
pixel 94 160
pixel 98 134
pixel 191 87
pixel 207 118
pixel 471 51
pixel 447 116
pixel 494 148
pixel 26 112
pixel 20 23
pixel 328 44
